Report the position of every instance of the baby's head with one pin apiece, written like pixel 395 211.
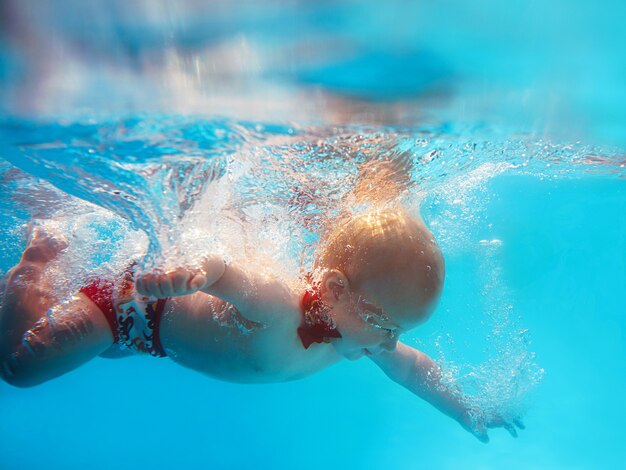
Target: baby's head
pixel 383 274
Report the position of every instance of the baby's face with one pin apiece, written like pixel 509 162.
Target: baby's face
pixel 372 315
pixel 365 328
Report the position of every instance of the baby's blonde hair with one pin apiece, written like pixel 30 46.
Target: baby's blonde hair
pixel 389 237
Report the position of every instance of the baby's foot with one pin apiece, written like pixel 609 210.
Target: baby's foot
pixel 40 250
pixel 25 295
pixel 42 247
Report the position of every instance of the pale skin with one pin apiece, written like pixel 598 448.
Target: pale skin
pixel 231 324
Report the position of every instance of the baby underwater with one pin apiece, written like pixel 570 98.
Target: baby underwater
pixel 376 276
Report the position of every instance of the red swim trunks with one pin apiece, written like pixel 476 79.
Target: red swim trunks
pixel 135 320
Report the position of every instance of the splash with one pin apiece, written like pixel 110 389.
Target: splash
pixel 168 190
pixel 502 383
pixel 193 184
pixel 147 171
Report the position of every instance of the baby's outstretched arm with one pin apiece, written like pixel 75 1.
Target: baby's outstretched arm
pixel 256 297
pixel 418 373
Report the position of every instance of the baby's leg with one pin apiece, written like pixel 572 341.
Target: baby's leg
pixel 39 338
pixel 24 293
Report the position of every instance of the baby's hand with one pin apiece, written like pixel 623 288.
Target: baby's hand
pixel 180 281
pixel 477 423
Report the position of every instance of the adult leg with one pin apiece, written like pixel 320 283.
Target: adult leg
pixel 40 338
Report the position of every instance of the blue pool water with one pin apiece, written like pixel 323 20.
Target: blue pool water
pixel 532 244
pixel 152 132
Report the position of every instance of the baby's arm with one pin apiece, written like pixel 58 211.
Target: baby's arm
pixel 418 373
pixel 182 281
pixel 255 296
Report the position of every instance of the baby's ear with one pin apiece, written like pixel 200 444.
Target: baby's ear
pixel 335 284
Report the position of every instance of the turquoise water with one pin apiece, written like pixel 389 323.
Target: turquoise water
pixel 151 133
pixel 531 318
